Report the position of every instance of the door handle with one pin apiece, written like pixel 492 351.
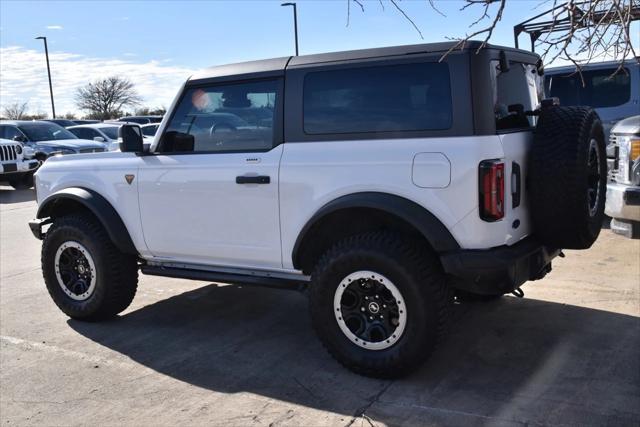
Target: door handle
pixel 259 179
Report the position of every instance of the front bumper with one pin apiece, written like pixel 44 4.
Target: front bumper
pixel 498 270
pixel 35 225
pixel 17 168
pixel 623 201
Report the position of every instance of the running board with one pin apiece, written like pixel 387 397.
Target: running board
pixel 294 282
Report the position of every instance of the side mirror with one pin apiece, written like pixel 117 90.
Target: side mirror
pixel 131 139
pixel 19 138
pixel 98 138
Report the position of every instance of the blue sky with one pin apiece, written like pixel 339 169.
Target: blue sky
pixel 157 44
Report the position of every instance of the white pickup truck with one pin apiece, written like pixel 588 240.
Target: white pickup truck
pixel 384 181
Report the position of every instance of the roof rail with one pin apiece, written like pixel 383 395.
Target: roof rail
pixel 535 27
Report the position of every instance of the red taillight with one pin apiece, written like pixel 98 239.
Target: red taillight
pixel 491 190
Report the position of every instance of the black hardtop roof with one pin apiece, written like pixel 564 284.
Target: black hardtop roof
pixel 280 64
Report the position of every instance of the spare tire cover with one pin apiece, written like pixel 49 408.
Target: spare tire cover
pixel 567 177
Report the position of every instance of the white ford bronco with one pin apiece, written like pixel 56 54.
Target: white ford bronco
pixel 383 180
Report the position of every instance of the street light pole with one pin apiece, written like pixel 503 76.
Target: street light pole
pixel 295 22
pixel 46 52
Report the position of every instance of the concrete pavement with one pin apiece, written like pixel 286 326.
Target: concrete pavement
pixel 206 354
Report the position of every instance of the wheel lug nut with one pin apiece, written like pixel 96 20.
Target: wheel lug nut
pixel 361 308
pixel 376 296
pixel 366 298
pixel 370 317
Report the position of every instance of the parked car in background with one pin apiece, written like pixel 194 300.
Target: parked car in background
pixel 47 138
pixel 150 129
pixel 623 188
pixel 141 120
pixel 614 97
pixel 85 122
pixel 101 132
pixel 62 122
pixel 17 164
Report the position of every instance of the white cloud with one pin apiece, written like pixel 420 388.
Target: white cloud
pixel 23 77
pixel 54 27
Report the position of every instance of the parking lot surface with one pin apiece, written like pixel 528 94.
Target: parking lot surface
pixel 207 354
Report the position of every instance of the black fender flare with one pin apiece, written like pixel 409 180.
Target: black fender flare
pixel 99 206
pixel 419 217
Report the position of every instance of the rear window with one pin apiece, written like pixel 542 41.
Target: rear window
pixel 408 97
pixel 516 94
pixel 600 88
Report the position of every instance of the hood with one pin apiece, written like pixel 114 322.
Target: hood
pixel 76 144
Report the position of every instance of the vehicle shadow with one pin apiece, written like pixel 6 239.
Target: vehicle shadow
pixel 8 195
pixel 513 360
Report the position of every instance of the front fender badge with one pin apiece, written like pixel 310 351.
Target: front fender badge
pixel 129 178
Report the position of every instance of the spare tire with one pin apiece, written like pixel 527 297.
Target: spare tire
pixel 567 177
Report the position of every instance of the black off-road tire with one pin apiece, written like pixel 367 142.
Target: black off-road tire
pixel 116 273
pixel 417 274
pixel 565 213
pixel 22 183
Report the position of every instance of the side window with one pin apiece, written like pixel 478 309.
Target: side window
pixel 81 133
pixel 149 130
pixel 391 98
pixel 600 89
pixel 222 118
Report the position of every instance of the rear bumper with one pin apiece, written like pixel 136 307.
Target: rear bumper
pixel 623 201
pixel 498 270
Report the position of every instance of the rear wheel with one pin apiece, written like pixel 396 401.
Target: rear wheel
pixel 379 304
pixel 85 274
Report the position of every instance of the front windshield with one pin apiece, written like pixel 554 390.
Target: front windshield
pixel 46 132
pixel 110 131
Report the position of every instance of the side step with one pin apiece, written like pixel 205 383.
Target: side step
pixel 254 279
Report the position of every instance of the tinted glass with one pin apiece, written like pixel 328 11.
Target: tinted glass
pixel 9 132
pixel 110 131
pixel 150 130
pixel 80 133
pixel 43 131
pixel 600 88
pixel 516 92
pixel 234 117
pixel 155 119
pixel 408 97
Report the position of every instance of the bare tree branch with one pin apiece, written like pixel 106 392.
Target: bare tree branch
pixel 394 2
pixel 16 110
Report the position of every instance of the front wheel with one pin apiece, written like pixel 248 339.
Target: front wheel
pixel 379 304
pixel 85 274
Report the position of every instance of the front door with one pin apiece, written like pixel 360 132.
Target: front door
pixel 209 195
